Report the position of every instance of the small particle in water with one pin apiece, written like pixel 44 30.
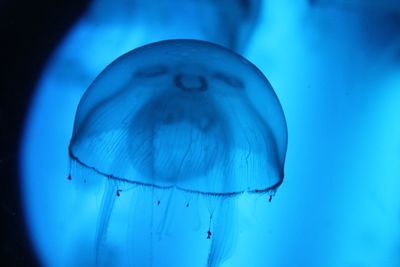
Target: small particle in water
pixel 118 192
pixel 209 234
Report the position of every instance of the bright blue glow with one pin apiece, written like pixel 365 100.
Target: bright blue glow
pixel 335 73
pixel 107 30
pixel 339 203
pixel 175 117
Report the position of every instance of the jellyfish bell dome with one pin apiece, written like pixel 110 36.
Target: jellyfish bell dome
pixel 185 114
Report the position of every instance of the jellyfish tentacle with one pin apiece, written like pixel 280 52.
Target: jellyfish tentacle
pixel 223 237
pixel 140 227
pixel 104 217
pixel 167 216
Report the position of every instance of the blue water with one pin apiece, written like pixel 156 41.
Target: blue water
pixel 334 70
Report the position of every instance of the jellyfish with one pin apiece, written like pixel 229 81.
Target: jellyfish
pixel 170 119
pixel 107 29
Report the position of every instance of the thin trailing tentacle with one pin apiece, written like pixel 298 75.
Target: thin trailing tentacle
pixel 104 218
pixel 167 215
pixel 224 234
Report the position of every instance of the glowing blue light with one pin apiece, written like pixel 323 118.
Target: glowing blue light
pixel 106 30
